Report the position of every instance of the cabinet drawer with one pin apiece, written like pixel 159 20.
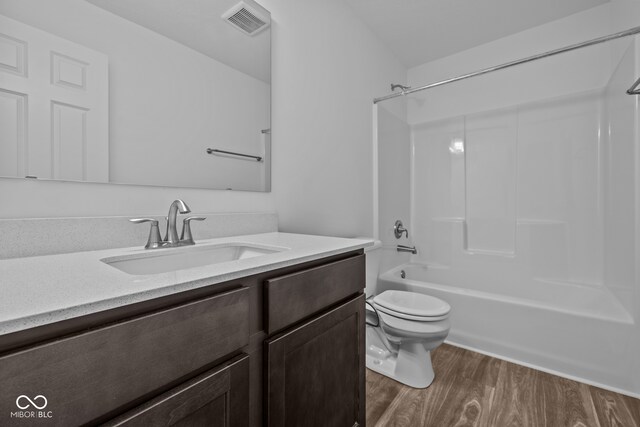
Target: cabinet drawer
pixel 218 397
pixel 296 296
pixel 97 374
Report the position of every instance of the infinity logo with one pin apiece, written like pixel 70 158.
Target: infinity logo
pixel 31 402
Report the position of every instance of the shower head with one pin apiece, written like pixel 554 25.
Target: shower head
pixel 401 87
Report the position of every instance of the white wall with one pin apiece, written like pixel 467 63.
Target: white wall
pixel 327 67
pixel 551 77
pixel 25 198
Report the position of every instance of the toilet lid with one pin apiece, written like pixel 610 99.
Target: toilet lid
pixel 412 303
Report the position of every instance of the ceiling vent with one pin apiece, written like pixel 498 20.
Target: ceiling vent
pixel 250 19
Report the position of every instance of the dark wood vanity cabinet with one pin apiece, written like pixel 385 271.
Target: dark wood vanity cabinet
pixel 314 356
pixel 92 376
pixel 315 371
pixel 279 348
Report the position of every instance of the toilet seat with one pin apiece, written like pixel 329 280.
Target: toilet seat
pixel 405 328
pixel 412 306
pixel 405 316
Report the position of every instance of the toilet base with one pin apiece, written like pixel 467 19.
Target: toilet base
pixel 408 363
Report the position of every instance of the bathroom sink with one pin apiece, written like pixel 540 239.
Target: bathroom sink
pixel 182 258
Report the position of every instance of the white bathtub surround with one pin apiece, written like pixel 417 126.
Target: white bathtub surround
pixel 47 236
pixel 394 174
pixel 524 200
pixel 45 289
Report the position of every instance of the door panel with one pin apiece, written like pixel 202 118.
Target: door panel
pixel 59 125
pixel 13 133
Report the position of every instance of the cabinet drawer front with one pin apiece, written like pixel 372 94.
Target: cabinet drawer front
pixel 218 397
pixel 296 296
pixel 96 374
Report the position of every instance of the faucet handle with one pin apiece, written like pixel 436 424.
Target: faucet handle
pixel 187 238
pixel 398 229
pixel 155 240
pixel 141 220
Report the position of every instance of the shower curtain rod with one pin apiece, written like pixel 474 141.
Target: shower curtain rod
pixel 629 32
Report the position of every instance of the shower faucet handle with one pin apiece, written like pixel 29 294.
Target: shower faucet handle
pixel 398 230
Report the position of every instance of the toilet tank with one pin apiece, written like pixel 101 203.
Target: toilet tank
pixel 372 255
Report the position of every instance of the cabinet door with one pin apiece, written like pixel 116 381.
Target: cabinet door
pixel 217 398
pixel 315 372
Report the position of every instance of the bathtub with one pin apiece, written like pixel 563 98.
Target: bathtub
pixel 549 326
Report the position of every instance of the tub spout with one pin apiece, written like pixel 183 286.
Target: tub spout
pixel 403 248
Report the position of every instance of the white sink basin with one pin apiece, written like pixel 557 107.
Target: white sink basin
pixel 182 258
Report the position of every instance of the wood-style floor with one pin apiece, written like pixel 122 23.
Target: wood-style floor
pixel 471 389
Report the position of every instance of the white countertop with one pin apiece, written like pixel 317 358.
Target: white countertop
pixel 40 290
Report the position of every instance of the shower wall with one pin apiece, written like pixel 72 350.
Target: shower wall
pixel 531 171
pixel 514 191
pixel 394 176
pixel 510 169
pixel 524 188
pixel 619 181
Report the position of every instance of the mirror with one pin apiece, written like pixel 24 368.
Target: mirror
pixel 171 93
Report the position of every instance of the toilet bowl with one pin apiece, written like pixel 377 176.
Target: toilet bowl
pixel 402 330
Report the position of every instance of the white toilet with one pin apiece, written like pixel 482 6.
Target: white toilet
pixel 402 329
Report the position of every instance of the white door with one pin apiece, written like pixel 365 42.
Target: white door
pixel 54 106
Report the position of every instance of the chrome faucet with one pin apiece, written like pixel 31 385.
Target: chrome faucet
pixel 171 238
